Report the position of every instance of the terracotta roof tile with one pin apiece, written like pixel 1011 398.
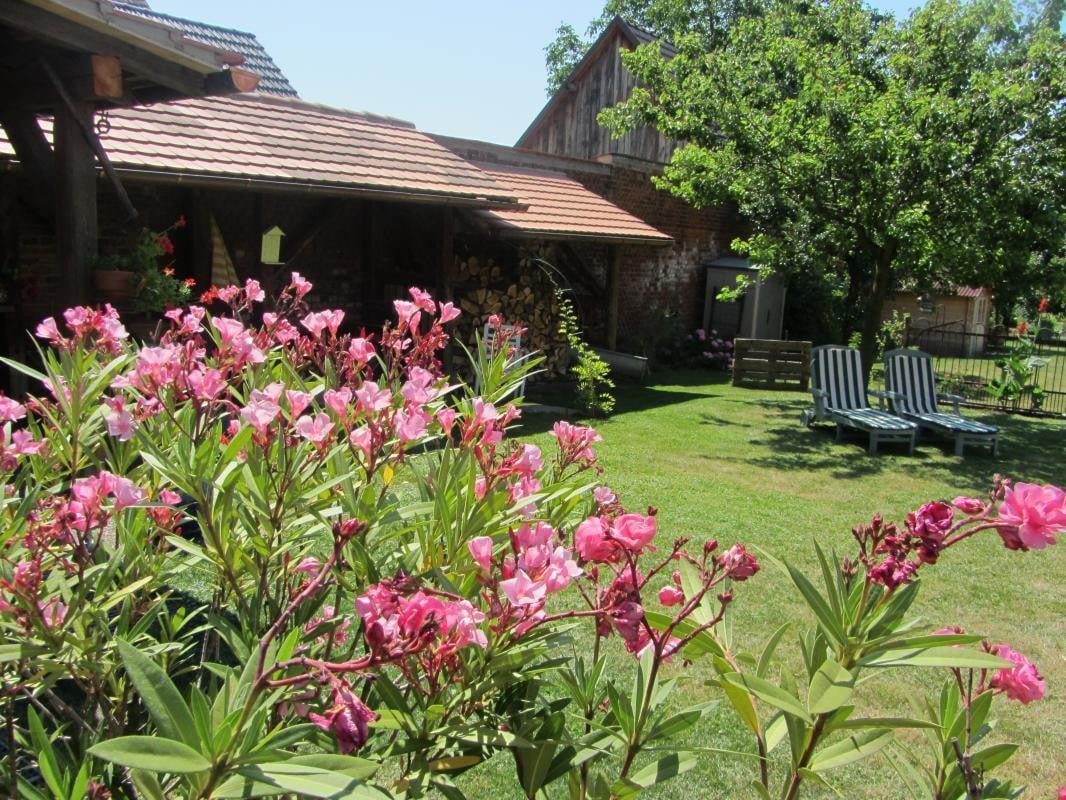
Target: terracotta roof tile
pixel 280 140
pixel 559 206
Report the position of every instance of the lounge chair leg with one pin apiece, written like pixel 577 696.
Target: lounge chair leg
pixel 995 447
pixel 960 445
pixel 873 444
pixel 840 432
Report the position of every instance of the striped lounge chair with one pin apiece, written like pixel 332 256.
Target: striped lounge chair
pixel 912 395
pixel 840 397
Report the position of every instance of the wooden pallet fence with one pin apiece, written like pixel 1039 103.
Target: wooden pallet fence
pixel 771 364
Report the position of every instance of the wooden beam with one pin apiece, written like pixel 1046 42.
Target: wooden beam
pixel 76 220
pixel 35 157
pixel 446 266
pixel 40 25
pixel 613 282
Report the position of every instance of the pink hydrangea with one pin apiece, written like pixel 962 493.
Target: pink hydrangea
pixel 1031 515
pixel 1022 682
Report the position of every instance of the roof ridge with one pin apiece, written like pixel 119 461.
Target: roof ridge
pixel 325 108
pixel 141 9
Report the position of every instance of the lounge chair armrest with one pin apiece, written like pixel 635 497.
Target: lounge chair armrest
pixel 882 396
pixel 954 399
pixel 819 392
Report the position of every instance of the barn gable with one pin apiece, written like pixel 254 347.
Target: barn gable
pixel 567 125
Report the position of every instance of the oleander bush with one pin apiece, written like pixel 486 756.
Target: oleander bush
pixel 264 558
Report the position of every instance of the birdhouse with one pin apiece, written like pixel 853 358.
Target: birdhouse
pixel 271 252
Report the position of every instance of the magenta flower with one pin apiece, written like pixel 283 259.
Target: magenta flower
pixel 417 389
pixel 739 564
pixel 319 321
pixel 423 299
pixel 671 596
pixel 411 425
pixel 970 506
pixel 347 720
pixel 47 329
pixel 1022 682
pixel 593 543
pixel 254 291
pixel 308 565
pixel 561 569
pixel 53 613
pixel 228 329
pixel 1031 515
pixel 316 429
pixel 119 421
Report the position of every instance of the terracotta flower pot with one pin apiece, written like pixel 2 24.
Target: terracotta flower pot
pixel 114 283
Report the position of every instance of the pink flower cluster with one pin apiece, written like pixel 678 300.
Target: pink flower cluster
pixel 347 720
pixel 1031 515
pixel 90 328
pixel 1022 681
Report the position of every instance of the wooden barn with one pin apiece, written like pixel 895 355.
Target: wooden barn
pixel 660 288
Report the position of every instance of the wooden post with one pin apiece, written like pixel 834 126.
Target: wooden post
pixel 446 265
pixel 612 296
pixel 76 220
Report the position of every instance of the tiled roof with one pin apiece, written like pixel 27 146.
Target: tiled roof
pixel 557 206
pixel 970 291
pixel 287 143
pixel 256 58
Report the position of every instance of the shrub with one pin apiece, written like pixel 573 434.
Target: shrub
pixel 274 559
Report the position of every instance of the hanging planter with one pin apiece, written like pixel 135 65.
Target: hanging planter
pixel 114 283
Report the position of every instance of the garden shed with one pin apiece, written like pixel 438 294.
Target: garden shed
pixel 756 314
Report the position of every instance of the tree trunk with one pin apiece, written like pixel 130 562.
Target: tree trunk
pixel 875 304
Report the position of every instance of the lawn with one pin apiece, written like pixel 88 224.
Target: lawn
pixel 735 464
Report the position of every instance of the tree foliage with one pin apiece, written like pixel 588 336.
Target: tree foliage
pixel 869 151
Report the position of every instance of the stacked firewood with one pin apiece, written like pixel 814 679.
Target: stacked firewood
pixel 523 296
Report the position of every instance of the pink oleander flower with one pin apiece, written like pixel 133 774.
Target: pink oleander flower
pixel 316 429
pixel 206 384
pixel 118 419
pixel 530 460
pixel 373 399
pixel 362 439
pixel 228 329
pixel 347 720
pixel 522 591
pixel 627 618
pixel 970 506
pixel 423 299
pixel 446 418
pixel 361 350
pixel 634 531
pixel 308 565
pixel 930 524
pixel 407 313
pixel 47 329
pixel 11 411
pixel 319 321
pixel 1031 515
pixel 300 285
pixel 560 570
pixel 126 492
pixel 593 543
pixel 298 401
pixel 411 424
pixel 671 596
pixel 254 291
pixel 338 400
pixel 448 312
pixel 739 564
pixel 1062 793
pixel 604 496
pixel 23 444
pixel 260 414
pixel 1022 682
pixel 576 442
pixel 418 388
pixel 480 548
pixel 484 414
pixel 893 572
pixel 227 294
pixel 53 612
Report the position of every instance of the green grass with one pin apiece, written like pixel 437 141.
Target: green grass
pixel 736 465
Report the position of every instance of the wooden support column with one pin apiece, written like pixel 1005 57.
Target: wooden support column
pixel 76 219
pixel 446 265
pixel 613 280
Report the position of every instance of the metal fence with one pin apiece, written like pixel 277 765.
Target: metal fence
pixel 997 370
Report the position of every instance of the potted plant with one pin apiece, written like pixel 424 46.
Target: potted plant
pixel 113 277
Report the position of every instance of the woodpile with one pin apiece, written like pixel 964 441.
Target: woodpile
pixel 523 296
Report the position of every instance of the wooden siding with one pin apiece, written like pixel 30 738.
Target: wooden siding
pixel 569 126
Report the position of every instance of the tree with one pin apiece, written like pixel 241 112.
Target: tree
pixel 872 152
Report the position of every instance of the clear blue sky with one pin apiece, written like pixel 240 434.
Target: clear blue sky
pixel 472 68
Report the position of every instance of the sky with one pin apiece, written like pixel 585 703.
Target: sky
pixel 468 68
